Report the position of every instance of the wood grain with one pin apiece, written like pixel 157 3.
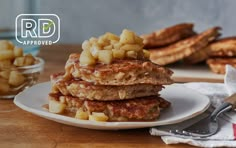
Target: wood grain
pixel 22 129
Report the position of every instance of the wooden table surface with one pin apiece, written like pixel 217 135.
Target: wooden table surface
pixel 21 129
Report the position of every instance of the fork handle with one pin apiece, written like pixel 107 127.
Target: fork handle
pixel 221 109
pixel 229 103
pixel 232 100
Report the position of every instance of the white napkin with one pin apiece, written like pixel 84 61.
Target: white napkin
pixel 216 92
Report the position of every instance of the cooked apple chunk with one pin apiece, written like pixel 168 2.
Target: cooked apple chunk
pixel 86 58
pixel 5 74
pixel 5 64
pixel 6 45
pixel 29 60
pixel 94 51
pixel 118 54
pixel 127 37
pixel 98 117
pixel 18 52
pixel 105 56
pixel 80 114
pixel 56 107
pixel 111 36
pixel 132 54
pixel 6 54
pixel 86 45
pixel 16 78
pixel 109 47
pixel 19 61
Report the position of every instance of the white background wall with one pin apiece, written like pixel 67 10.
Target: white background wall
pixel 81 19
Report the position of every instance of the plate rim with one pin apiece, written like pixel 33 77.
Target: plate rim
pixel 98 125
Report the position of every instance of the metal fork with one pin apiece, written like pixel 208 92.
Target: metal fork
pixel 209 125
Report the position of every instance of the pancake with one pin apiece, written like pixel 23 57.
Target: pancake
pixel 140 109
pixel 184 48
pixel 198 56
pixel 86 90
pixel 168 35
pixel 119 72
pixel 225 47
pixel 217 65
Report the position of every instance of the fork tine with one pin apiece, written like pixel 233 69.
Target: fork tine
pixel 180 132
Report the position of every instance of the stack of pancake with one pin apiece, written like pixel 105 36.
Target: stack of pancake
pixel 183 46
pixel 124 90
pixel 181 42
pixel 220 53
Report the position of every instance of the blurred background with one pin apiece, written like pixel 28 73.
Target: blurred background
pixel 81 19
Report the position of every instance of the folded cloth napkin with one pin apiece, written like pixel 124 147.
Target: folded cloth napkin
pixel 226 137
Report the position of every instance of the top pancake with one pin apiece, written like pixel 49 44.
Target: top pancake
pixel 168 35
pixel 119 72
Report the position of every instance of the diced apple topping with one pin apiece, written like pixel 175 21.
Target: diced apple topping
pixel 127 37
pixel 12 57
pixel 16 78
pixel 80 114
pixel 105 56
pixel 98 117
pixel 86 58
pixel 56 107
pixel 118 54
pixel 109 47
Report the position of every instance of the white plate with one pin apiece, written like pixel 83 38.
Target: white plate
pixel 185 104
pixel 194 73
